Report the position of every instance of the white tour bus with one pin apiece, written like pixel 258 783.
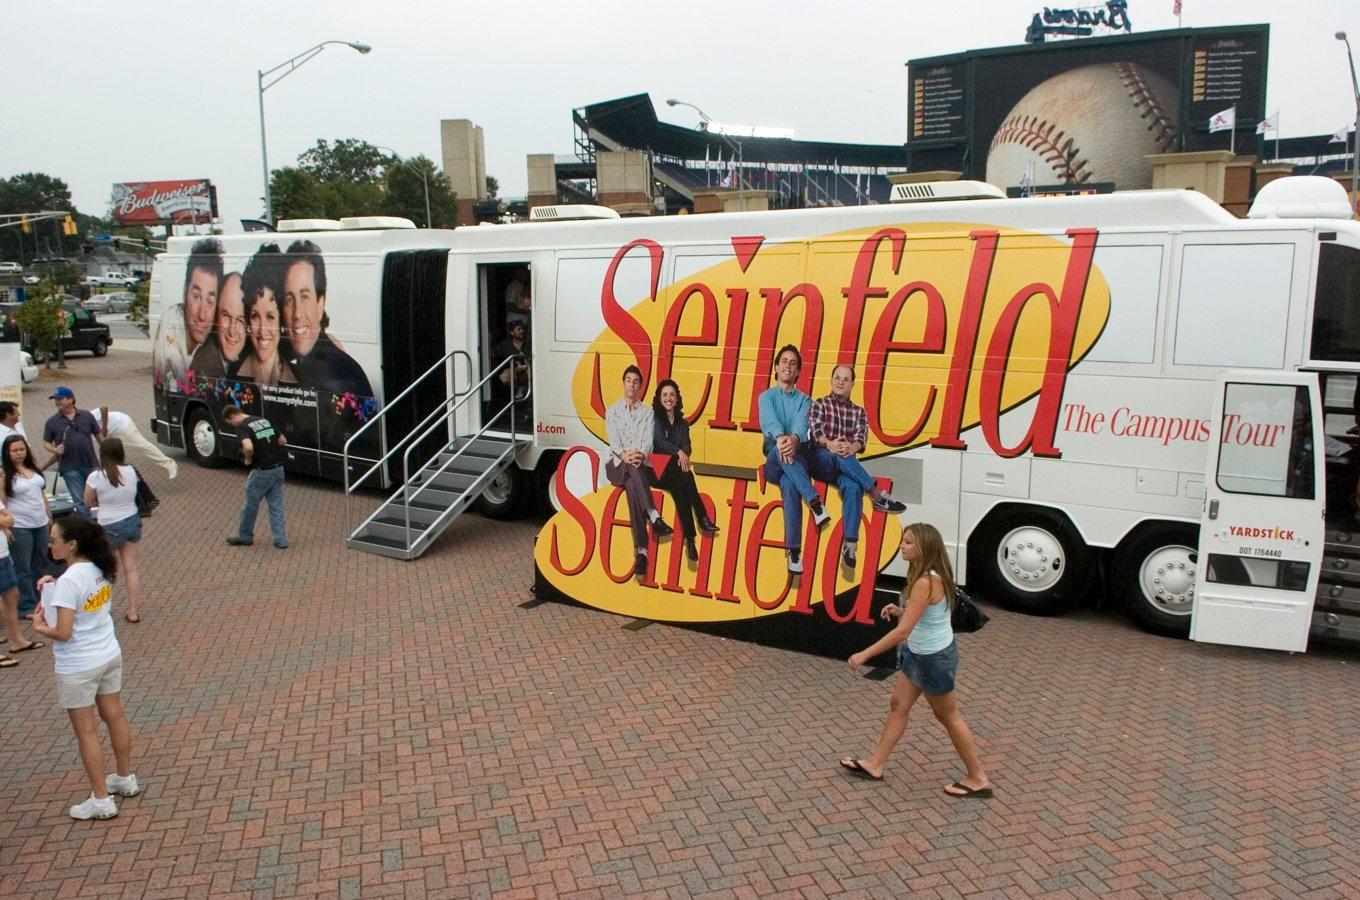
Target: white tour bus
pixel 1135 396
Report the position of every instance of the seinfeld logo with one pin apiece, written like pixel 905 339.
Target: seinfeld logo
pixel 586 552
pixel 949 326
pixel 96 601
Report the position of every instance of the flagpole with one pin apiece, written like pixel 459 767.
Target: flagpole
pixel 1232 133
pixel 1277 136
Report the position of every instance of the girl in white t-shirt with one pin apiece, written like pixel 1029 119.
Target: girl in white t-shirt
pixel 113 489
pixel 74 613
pixel 22 484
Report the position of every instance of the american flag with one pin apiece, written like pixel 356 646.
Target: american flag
pixel 1176 8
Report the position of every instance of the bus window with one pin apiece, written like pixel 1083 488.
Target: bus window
pixel 1336 305
pixel 1242 287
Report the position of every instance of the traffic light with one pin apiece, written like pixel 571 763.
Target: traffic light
pixel 68 225
pixel 23 225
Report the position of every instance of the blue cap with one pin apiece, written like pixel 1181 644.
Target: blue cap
pixel 62 393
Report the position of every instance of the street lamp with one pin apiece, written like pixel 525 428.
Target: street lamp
pixel 741 175
pixel 1355 141
pixel 424 179
pixel 289 66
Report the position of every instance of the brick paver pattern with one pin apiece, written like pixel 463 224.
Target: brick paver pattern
pixel 319 720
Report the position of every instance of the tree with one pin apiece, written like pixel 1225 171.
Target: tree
pixel 347 161
pixel 141 306
pixel 493 187
pixel 406 192
pixel 26 193
pixel 41 320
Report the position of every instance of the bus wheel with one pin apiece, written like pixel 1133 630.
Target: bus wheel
pixel 504 497
pixel 1032 560
pixel 201 440
pixel 1154 574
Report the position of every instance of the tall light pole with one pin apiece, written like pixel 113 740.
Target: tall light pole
pixel 741 174
pixel 1355 139
pixel 424 179
pixel 289 66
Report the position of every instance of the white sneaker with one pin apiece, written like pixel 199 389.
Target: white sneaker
pixel 795 561
pixel 174 470
pixel 123 785
pixel 94 808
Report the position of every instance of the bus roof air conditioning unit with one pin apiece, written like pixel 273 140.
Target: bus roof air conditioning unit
pixel 308 225
pixel 926 191
pixel 1301 197
pixel 374 223
pixel 570 212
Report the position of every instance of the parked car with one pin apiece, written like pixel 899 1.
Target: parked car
pixel 120 301
pixel 28 369
pixel 87 332
pixel 96 303
pixel 32 279
pixel 10 268
pixel 114 280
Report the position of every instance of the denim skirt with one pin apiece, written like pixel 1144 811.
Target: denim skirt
pixel 8 580
pixel 934 672
pixel 124 530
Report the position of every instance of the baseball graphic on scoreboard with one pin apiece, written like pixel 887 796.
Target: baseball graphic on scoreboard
pixel 1095 123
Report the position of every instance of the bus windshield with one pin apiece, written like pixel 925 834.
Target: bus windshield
pixel 1336 305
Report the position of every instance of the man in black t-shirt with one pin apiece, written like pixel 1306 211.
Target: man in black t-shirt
pixel 262 450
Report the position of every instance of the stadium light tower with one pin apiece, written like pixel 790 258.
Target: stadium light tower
pixel 741 174
pixel 288 66
pixel 1355 140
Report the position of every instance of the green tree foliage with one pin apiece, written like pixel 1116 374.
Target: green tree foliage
pixel 33 192
pixel 493 187
pixel 41 320
pixel 350 177
pixel 141 306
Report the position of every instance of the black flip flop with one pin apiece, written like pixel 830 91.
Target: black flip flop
pixel 32 645
pixel 854 768
pixel 978 794
pixel 7 662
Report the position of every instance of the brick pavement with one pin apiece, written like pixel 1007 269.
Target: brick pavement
pixel 318 721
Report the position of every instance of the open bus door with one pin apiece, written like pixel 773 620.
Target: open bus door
pixel 1262 531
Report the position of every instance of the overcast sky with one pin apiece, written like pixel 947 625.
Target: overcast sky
pixel 127 91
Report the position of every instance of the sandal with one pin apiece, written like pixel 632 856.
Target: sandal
pixel 7 662
pixel 32 645
pixel 854 767
pixel 961 791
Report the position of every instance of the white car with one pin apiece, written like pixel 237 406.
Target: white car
pixel 27 370
pixel 95 303
pixel 119 301
pixel 114 280
pixel 10 268
pixel 32 279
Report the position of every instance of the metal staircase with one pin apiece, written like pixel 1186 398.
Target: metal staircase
pixel 442 486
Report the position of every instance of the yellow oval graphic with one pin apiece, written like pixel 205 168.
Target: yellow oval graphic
pixel 948 325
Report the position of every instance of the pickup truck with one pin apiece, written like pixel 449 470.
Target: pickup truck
pixel 112 280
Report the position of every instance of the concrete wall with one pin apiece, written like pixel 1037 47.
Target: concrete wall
pixel 1203 171
pixel 464 164
pixel 623 177
pixel 542 179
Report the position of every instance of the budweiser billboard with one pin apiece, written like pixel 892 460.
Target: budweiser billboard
pixel 164 202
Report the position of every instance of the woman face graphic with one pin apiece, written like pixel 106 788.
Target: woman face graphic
pixel 264 326
pixel 668 398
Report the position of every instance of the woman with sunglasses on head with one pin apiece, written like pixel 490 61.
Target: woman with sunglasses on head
pixel 113 489
pixel 26 498
pixel 927 661
pixel 75 614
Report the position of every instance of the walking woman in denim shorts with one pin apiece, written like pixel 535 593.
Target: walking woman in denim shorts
pixel 113 489
pixel 74 613
pixel 927 660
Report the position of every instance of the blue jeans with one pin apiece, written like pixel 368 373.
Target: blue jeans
pixel 75 486
pixel 266 485
pixel 29 550
pixel 795 484
pixel 852 480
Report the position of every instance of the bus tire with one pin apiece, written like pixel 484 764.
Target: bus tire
pixel 1031 560
pixel 1154 576
pixel 202 442
pixel 504 497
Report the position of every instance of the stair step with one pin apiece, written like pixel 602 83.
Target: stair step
pixel 1340 597
pixel 380 546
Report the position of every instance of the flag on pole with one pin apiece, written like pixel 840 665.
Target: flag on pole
pixel 1271 123
pixel 1223 121
pixel 1027 180
pixel 1176 8
pixel 1340 136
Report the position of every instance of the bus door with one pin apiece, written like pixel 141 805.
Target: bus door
pixel 505 299
pixel 1263 529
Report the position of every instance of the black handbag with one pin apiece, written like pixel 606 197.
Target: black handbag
pixel 147 501
pixel 967 616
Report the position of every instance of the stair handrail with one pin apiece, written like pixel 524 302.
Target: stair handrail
pixel 458 402
pixel 388 407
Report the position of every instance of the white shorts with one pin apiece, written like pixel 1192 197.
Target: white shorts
pixel 77 690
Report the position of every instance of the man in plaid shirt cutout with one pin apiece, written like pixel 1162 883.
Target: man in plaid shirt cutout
pixel 838 429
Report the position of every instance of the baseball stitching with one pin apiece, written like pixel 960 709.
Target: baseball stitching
pixel 1044 138
pixel 1147 103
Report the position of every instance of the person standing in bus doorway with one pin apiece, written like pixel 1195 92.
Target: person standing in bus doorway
pixel 839 429
pixel 927 661
pixel 628 422
pixel 262 451
pixel 316 360
pixel 70 433
pixel 185 326
pixel 788 454
pixel 516 343
pixel 221 358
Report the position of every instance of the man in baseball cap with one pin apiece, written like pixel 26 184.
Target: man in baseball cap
pixel 70 434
